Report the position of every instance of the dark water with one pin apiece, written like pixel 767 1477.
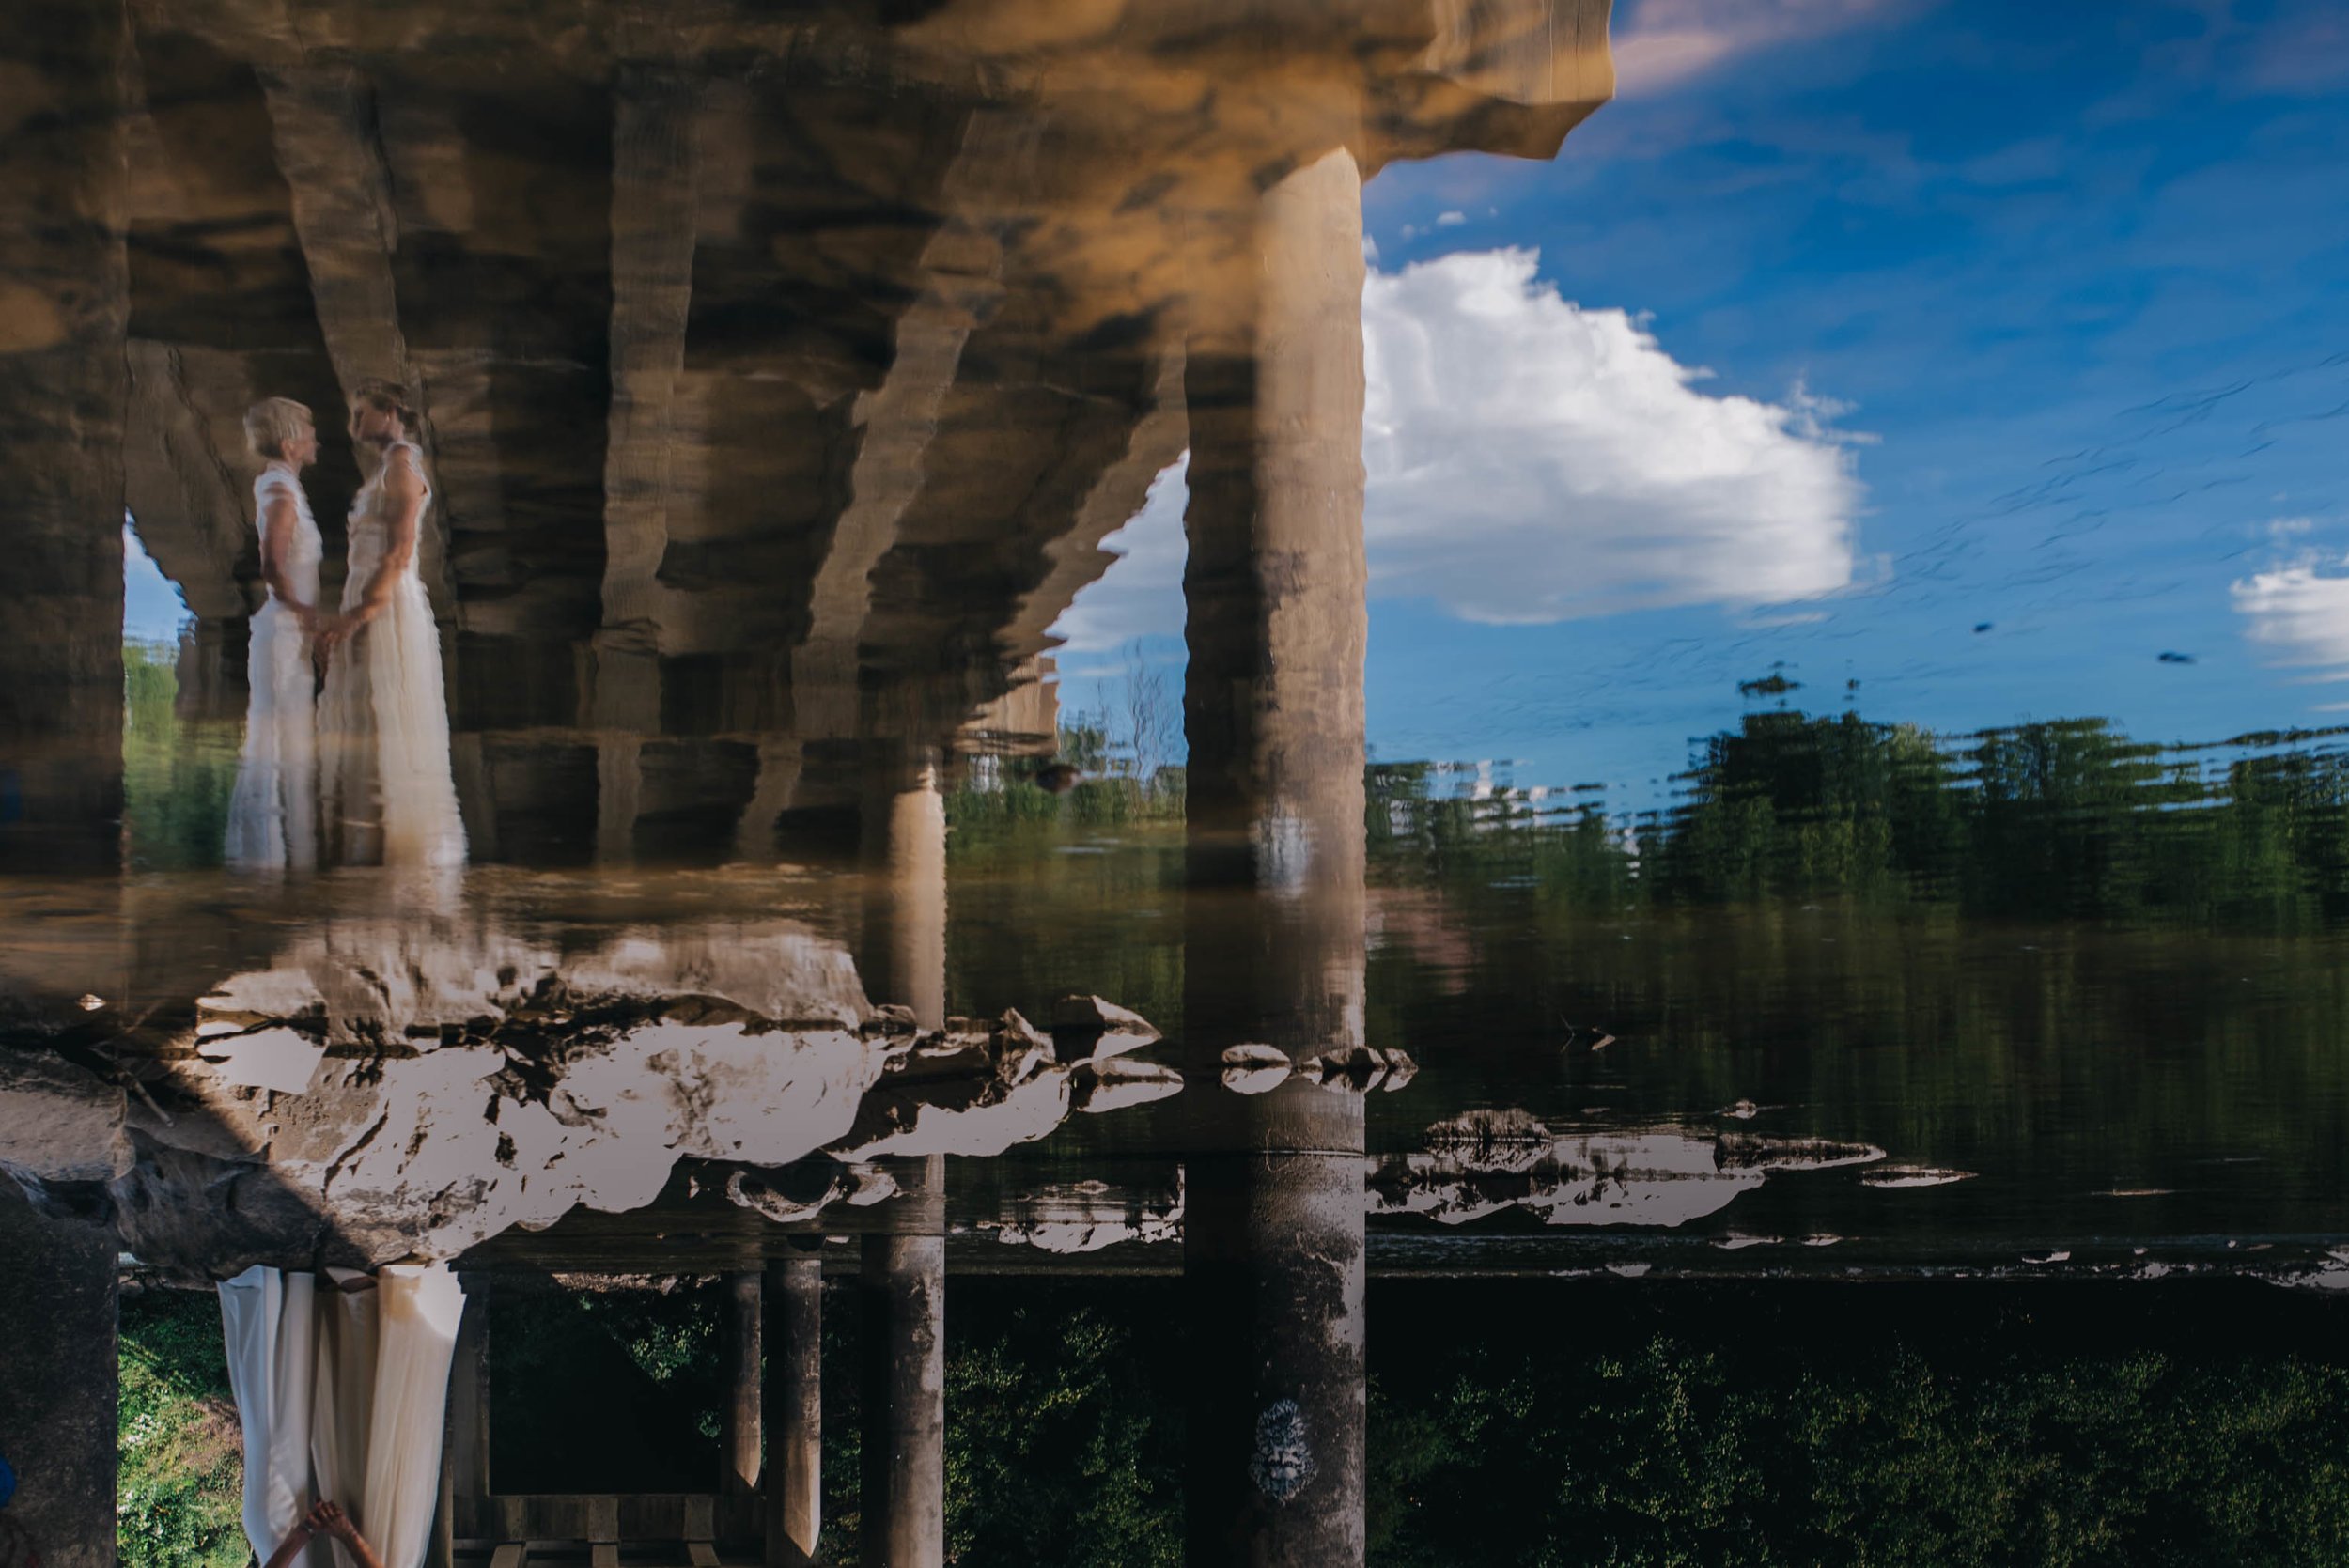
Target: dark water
pixel 724 675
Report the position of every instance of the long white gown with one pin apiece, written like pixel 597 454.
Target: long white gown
pixel 342 1396
pixel 389 795
pixel 272 812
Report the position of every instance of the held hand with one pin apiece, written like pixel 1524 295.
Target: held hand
pixel 328 1518
pixel 343 627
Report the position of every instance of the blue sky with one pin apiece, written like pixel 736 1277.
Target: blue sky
pixel 151 607
pixel 2064 290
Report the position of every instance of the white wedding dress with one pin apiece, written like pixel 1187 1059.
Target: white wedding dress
pixel 272 813
pixel 342 1396
pixel 389 794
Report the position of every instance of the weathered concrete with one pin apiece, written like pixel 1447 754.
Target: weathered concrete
pixel 903 954
pixel 59 1383
pixel 64 307
pixel 737 1358
pixel 653 212
pixel 794 1409
pixel 333 164
pixel 902 1318
pixel 902 1286
pixel 1275 946
pixel 805 357
pixel 418 1077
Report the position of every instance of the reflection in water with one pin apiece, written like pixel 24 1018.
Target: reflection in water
pixel 737 405
pixel 273 814
pixel 1484 1163
pixel 389 795
pixel 415 1082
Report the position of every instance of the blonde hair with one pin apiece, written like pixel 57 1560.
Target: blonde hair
pixel 273 422
pixel 391 397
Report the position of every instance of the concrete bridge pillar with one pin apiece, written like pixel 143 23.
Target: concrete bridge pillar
pixel 742 1345
pixel 902 1280
pixel 792 1480
pixel 1272 1244
pixel 902 1317
pixel 60 1382
pixel 64 384
pixel 904 853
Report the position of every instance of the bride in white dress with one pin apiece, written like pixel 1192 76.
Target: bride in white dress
pixel 387 788
pixel 272 813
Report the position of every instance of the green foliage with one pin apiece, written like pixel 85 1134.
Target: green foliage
pixel 984 816
pixel 2067 819
pixel 1672 1456
pixel 179 1496
pixel 176 774
pixel 1050 1453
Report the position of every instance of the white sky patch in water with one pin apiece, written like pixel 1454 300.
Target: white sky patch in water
pixel 1140 596
pixel 152 609
pixel 1531 462
pixel 2297 612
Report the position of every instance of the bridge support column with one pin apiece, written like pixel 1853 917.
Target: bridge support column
pixel 64 384
pixel 59 1383
pixel 1272 1242
pixel 793 1478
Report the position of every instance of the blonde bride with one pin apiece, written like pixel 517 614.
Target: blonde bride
pixel 386 786
pixel 272 812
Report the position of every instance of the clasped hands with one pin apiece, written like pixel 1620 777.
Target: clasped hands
pixel 330 631
pixel 328 1518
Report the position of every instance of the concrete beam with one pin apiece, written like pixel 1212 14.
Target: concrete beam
pixel 653 217
pixel 191 511
pixel 332 160
pixel 1077 559
pixel 962 266
pixel 1525 51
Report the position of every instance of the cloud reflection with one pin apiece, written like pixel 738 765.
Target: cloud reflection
pixel 1669 43
pixel 2299 613
pixel 1530 460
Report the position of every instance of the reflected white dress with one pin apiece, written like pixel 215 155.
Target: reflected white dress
pixel 272 812
pixel 389 795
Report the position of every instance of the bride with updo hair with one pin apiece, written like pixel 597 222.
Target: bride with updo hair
pixel 389 794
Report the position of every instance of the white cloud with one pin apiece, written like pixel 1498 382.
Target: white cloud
pixel 1530 460
pixel 2299 614
pixel 1142 593
pixel 1450 220
pixel 1672 42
